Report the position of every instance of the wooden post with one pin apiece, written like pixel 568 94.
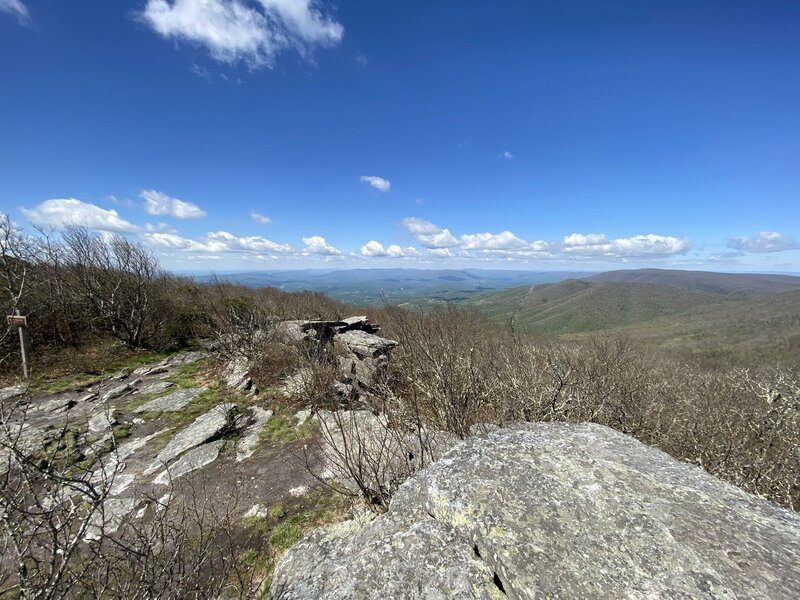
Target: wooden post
pixel 22 324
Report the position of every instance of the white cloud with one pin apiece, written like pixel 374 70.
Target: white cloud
pixel 440 253
pixel 302 20
pixel 17 9
pixel 254 243
pixel 361 59
pixel 158 203
pixel 504 240
pixel 428 234
pixel 63 211
pixel 379 183
pixel 507 155
pixel 765 241
pixel 234 30
pixel 259 218
pixel 318 245
pixel 174 241
pixel 376 250
pixel 218 241
pixel 641 246
pixel 579 239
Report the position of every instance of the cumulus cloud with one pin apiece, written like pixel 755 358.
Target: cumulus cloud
pixel 765 241
pixel 16 9
pixel 217 241
pixel 440 253
pixel 504 240
pixel 254 243
pixel 317 244
pixel 158 203
pixel 60 211
pixel 236 30
pixel 379 183
pixel 259 218
pixel 428 234
pixel 507 155
pixel 638 246
pixel 375 249
pixel 173 241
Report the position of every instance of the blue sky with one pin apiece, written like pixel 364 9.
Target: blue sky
pixel 261 134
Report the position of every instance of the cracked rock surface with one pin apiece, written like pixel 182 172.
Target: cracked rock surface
pixel 554 510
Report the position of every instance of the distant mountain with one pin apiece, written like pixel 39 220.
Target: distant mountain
pixel 719 316
pixel 742 284
pixel 416 287
pixel 583 305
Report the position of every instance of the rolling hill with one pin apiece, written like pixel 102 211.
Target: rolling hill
pixel 752 317
pixel 729 284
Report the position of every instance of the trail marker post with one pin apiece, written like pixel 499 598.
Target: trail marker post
pixel 21 323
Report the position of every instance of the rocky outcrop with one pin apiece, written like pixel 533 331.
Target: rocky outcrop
pixel 207 427
pixel 320 331
pixel 554 511
pixel 351 343
pixel 171 402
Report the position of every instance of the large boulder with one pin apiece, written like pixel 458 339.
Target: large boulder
pixel 554 511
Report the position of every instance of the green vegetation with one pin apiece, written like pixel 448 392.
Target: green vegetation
pixel 730 321
pixel 286 524
pixel 187 375
pixel 282 427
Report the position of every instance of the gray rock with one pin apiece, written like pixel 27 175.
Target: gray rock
pixel 152 369
pixel 361 323
pixel 191 461
pixel 117 392
pixel 156 387
pixel 259 511
pixel 205 427
pixel 363 344
pixel 171 402
pixel 102 421
pixel 109 517
pixel 555 510
pixel 250 437
pixel 187 358
pixel 302 416
pixel 237 374
pixel 11 392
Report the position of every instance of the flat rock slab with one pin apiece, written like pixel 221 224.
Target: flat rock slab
pixel 363 344
pixel 171 402
pixel 156 387
pixel 109 518
pixel 555 510
pixel 117 392
pixel 250 438
pixel 102 421
pixel 191 461
pixel 11 392
pixel 204 428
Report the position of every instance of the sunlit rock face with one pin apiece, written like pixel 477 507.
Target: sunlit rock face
pixel 554 511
